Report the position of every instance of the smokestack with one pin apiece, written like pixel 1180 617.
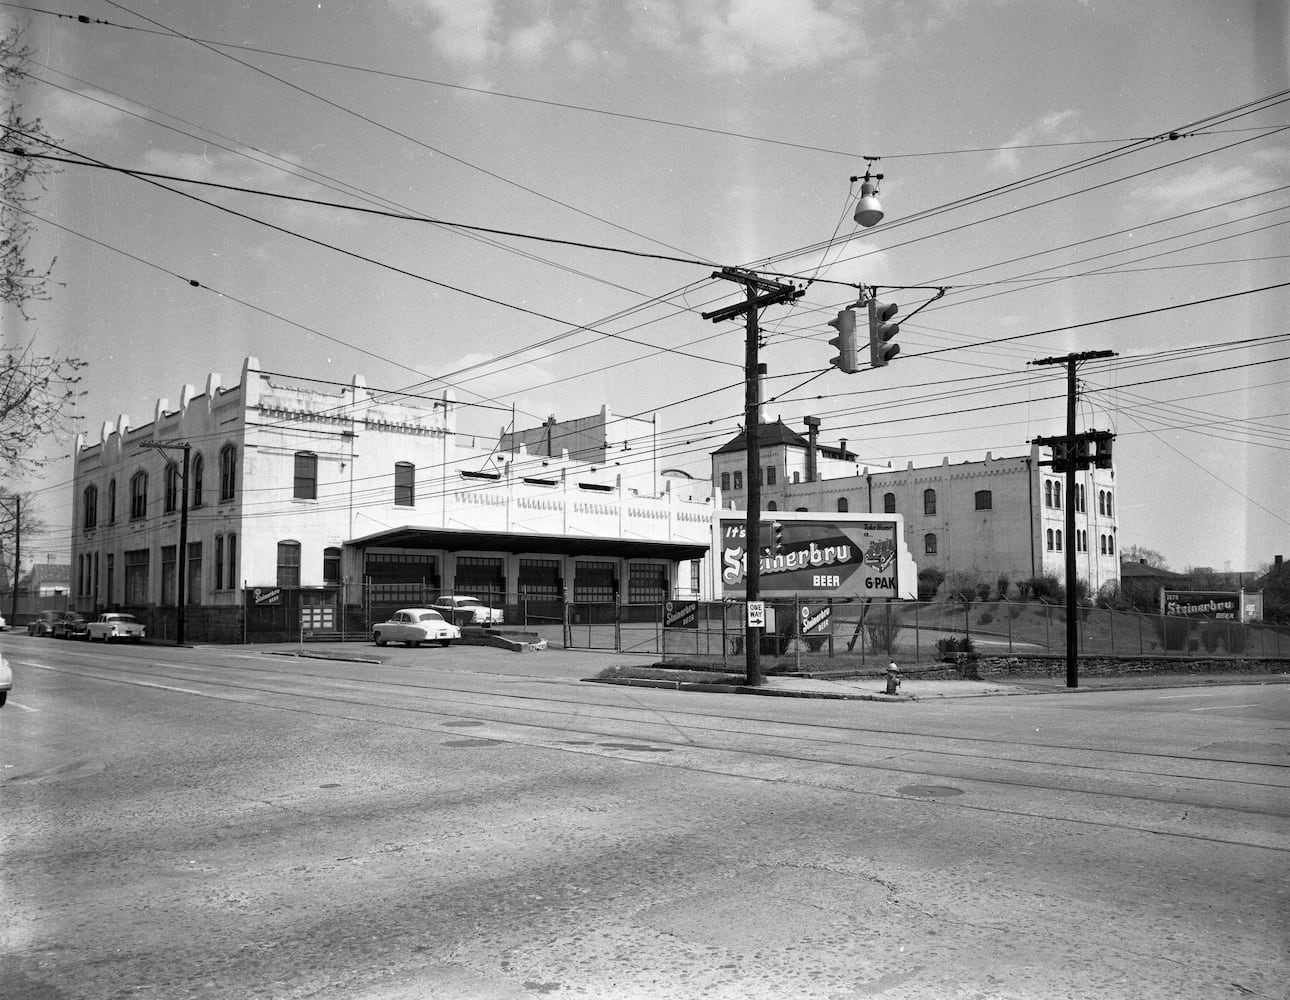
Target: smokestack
pixel 813 435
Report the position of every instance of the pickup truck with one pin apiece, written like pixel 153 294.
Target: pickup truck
pixel 115 625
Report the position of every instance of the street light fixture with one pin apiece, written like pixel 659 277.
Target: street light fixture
pixel 868 209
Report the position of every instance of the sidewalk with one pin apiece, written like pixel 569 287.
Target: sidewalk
pixel 586 665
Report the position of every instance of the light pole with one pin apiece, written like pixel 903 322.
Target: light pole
pixel 181 557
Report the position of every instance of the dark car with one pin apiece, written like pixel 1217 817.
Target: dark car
pixel 71 626
pixel 43 623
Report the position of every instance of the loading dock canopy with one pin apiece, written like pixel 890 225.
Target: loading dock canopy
pixel 514 542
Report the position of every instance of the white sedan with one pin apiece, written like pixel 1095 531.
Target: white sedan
pixel 6 681
pixel 115 625
pixel 468 611
pixel 414 626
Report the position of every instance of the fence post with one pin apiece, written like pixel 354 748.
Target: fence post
pixel 918 649
pixel 1009 612
pixel 797 632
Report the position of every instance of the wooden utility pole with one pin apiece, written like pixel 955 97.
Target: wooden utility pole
pixel 759 292
pixel 1074 454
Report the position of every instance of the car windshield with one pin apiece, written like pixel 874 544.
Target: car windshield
pixel 429 616
pixel 127 619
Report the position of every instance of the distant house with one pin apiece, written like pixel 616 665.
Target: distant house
pixel 1140 583
pixel 48 580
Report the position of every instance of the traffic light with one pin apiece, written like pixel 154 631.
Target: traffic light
pixel 1061 455
pixel 848 359
pixel 881 331
pixel 776 538
pixel 1102 443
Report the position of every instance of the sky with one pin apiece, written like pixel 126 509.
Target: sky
pixel 556 183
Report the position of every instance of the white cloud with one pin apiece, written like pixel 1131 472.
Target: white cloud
pixel 1205 185
pixel 740 35
pixel 1056 126
pixel 530 43
pixel 461 29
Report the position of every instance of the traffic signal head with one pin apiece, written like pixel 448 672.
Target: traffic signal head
pixel 1102 456
pixel 881 331
pixel 848 359
pixel 776 537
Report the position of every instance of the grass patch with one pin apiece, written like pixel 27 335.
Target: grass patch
pixel 667 674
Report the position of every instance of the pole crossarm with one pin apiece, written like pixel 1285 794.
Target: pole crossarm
pixel 773 292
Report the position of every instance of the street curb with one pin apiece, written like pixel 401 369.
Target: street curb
pixel 700 686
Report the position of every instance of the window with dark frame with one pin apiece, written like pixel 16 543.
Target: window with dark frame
pixel 289 564
pixel 138 496
pixel 305 481
pixel 404 484
pixel 984 500
pixel 227 472
pixel 929 503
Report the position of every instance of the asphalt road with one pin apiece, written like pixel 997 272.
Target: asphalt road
pixel 467 823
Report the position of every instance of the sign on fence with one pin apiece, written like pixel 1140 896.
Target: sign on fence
pixel 681 614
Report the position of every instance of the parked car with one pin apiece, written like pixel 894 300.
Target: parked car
pixel 4 625
pixel 115 625
pixel 43 623
pixel 70 626
pixel 6 680
pixel 415 626
pixel 468 611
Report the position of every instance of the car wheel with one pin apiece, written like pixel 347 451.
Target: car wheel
pixel 445 642
pixel 413 643
pixel 136 640
pixel 4 696
pixel 376 637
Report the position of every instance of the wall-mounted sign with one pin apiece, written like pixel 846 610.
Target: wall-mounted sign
pixel 838 555
pixel 1201 604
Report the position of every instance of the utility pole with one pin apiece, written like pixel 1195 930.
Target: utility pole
pixel 759 292
pixel 181 557
pixel 17 560
pixel 1074 455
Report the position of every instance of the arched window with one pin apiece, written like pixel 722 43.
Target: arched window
pixel 772 505
pixel 984 500
pixel 405 492
pixel 1110 545
pixel 844 505
pixel 111 501
pixel 1048 538
pixel 90 505
pixel 199 467
pixel 227 472
pixel 171 488
pixel 138 496
pixel 929 544
pixel 1101 539
pixel 1048 492
pixel 889 503
pixel 1059 539
pixel 289 564
pixel 1109 511
pixel 1101 501
pixel 305 484
pixel 929 503
pixel 1057 495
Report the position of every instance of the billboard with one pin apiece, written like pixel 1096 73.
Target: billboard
pixel 816 555
pixel 1223 606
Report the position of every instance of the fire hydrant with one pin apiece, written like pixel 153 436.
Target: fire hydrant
pixel 893 678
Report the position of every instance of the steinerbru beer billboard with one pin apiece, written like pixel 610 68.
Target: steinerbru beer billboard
pixel 1201 604
pixel 817 555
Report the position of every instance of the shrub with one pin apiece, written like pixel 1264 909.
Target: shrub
pixel 983 591
pixel 1001 586
pixel 954 644
pixel 929 581
pixel 986 618
pixel 962 587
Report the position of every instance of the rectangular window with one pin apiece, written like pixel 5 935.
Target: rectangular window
pixel 107 592
pixel 232 560
pixel 288 564
pixel 306 477
pixel 219 562
pixel 929 503
pixel 405 484
pixel 136 576
pixel 193 585
pixel 984 500
pixel 739 480
pixel 770 475
pixel 540 580
pixel 725 480
pixel 168 578
pixel 331 565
